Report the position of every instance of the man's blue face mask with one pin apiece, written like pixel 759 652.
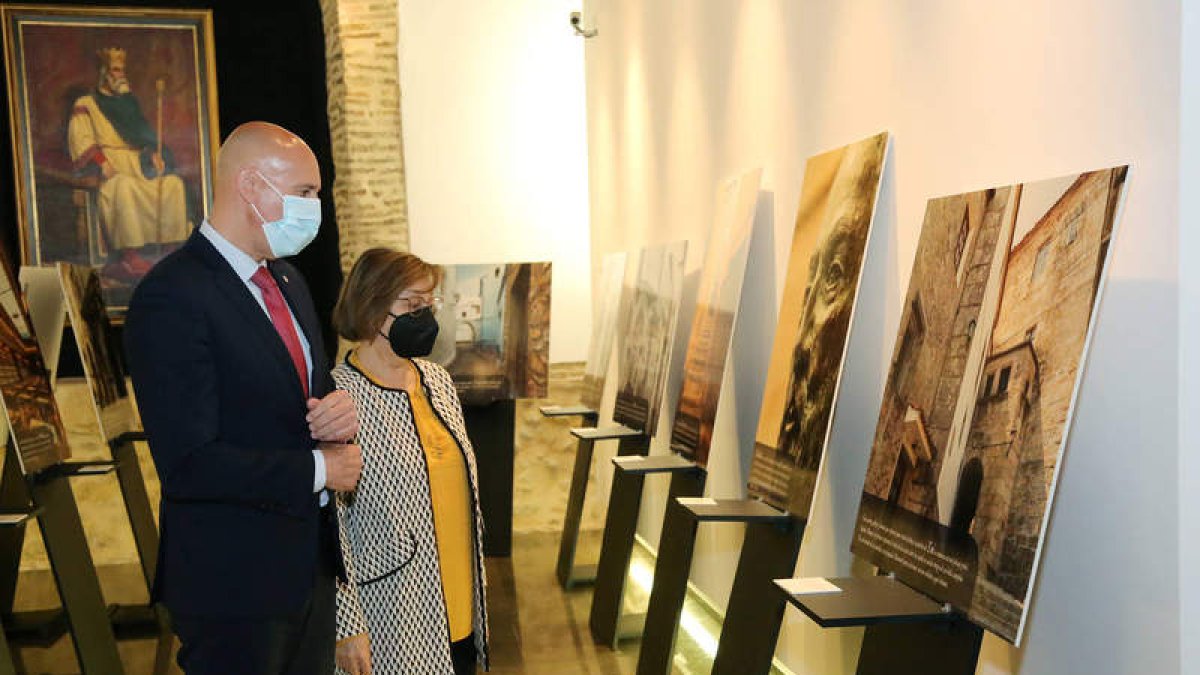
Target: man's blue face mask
pixel 297 227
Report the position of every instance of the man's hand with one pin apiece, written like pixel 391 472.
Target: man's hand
pixel 159 165
pixel 332 419
pixel 107 169
pixel 353 655
pixel 343 465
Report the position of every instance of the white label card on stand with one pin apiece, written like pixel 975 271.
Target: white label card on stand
pixel 807 586
pixel 696 501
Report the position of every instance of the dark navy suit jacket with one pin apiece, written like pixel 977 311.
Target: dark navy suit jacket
pixel 224 413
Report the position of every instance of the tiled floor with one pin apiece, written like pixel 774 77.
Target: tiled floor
pixel 537 628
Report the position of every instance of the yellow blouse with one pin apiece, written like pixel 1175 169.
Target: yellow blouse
pixel 452 514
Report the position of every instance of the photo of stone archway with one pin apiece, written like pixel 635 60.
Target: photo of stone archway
pixel 983 380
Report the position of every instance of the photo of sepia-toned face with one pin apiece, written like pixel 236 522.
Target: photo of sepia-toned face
pixel 832 228
pixel 494 330
pixel 984 375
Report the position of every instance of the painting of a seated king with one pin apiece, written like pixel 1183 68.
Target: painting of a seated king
pixel 114 128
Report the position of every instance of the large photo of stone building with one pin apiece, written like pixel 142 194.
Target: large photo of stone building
pixel 983 380
pixel 833 223
pixel 100 353
pixel 604 330
pixel 646 329
pixel 29 405
pixel 494 330
pixel 716 310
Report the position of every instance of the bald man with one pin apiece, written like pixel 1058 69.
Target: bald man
pixel 246 431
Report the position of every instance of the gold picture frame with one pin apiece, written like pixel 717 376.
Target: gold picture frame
pixel 113 113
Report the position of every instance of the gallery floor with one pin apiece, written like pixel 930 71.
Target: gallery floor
pixel 537 628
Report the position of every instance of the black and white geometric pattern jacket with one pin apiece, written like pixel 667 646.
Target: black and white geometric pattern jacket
pixel 388 540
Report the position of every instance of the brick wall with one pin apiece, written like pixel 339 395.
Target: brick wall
pixel 363 76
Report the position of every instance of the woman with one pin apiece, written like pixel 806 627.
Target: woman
pixel 412 531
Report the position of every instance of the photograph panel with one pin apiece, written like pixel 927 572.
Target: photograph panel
pixel 833 224
pixel 604 329
pixel 649 310
pixel 983 379
pixel 716 310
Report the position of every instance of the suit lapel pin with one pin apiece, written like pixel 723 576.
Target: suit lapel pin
pixel 285 279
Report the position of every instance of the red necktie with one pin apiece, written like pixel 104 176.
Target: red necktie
pixel 277 308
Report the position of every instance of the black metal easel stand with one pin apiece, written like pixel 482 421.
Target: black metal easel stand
pixel 492 428
pixel 607 622
pixel 569 574
pixel 906 632
pixel 86 617
pixel 751 628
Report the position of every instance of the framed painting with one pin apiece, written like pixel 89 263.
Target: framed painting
pixel 114 127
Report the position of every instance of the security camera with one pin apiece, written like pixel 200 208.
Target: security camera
pixel 577 24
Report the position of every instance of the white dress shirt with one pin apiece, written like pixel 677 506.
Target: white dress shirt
pixel 244 267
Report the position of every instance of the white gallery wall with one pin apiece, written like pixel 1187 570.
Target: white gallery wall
pixel 683 94
pixel 495 144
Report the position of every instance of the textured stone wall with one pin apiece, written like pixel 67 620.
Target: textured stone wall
pixel 363 77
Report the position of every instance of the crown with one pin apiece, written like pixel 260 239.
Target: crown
pixel 111 56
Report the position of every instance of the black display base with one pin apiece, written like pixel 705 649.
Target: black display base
pixel 906 631
pixel 752 622
pixel 70 561
pixel 568 573
pixel 608 627
pixel 491 428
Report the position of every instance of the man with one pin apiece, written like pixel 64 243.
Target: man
pixel 140 202
pixel 234 389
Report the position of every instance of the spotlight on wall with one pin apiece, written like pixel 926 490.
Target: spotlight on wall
pixel 576 23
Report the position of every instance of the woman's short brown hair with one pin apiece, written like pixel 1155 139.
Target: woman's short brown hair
pixel 376 280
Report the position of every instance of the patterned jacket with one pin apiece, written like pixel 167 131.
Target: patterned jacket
pixel 387 522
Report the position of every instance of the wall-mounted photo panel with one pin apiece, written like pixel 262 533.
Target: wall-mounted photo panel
pixel 716 309
pixel 98 350
pixel 604 329
pixel 833 225
pixel 494 334
pixel 29 404
pixel 649 311
pixel 983 380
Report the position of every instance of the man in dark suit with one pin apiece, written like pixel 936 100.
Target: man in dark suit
pixel 246 431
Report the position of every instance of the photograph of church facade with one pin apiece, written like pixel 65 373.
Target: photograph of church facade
pixel 494 334
pixel 29 404
pixel 101 354
pixel 115 131
pixel 716 310
pixel 983 380
pixel 833 224
pixel 649 311
pixel 604 330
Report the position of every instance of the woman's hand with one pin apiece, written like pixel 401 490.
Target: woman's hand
pixel 353 654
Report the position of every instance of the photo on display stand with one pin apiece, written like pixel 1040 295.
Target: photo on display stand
pixel 114 126
pixel 100 353
pixel 494 330
pixel 833 225
pixel 649 310
pixel 29 405
pixel 983 379
pixel 716 310
pixel 604 330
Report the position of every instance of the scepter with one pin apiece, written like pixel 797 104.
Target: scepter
pixel 160 85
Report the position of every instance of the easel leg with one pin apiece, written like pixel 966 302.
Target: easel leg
pixel 567 575
pixel 620 526
pixel 755 611
pixel 950 648
pixel 671 571
pixel 75 574
pixel 14 496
